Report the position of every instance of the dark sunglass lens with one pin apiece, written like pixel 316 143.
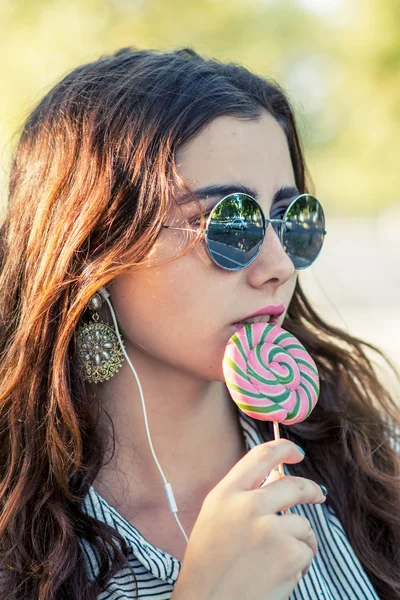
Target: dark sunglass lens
pixel 235 231
pixel 304 231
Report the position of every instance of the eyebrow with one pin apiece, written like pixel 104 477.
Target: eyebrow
pixel 222 190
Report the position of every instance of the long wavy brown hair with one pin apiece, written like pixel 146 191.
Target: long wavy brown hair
pixel 92 178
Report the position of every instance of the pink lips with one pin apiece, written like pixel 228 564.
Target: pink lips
pixel 274 310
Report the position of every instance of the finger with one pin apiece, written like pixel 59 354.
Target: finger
pixel 300 528
pixel 299 538
pixel 302 559
pixel 307 559
pixel 251 470
pixel 287 492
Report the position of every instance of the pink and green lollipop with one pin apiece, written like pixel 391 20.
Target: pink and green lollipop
pixel 270 375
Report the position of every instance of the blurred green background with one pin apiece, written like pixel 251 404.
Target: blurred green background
pixel 339 61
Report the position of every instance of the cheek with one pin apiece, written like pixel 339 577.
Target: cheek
pixel 289 287
pixel 287 290
pixel 174 314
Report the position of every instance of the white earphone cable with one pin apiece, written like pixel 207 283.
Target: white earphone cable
pixel 167 486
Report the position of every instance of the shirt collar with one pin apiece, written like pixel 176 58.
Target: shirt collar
pixel 160 563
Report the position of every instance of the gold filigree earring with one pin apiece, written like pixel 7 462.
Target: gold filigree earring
pixel 99 352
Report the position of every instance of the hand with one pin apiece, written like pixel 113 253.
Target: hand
pixel 239 547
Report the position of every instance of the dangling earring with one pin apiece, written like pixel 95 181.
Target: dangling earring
pixel 99 353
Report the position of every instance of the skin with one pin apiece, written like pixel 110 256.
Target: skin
pixel 176 321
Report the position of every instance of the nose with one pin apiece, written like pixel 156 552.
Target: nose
pixel 272 266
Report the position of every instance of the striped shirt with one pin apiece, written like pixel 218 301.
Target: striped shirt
pixel 335 572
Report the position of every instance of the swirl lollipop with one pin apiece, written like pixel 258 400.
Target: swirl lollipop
pixel 270 375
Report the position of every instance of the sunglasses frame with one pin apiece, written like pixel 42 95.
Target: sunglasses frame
pixel 266 222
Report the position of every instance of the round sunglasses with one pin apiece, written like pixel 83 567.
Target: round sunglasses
pixel 236 227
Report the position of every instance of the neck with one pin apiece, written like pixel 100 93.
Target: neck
pixel 194 429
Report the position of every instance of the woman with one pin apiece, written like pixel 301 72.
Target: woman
pixel 103 225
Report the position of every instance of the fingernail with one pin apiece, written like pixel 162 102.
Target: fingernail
pixel 323 489
pixel 301 449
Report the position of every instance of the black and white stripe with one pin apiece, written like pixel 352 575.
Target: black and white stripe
pixel 335 574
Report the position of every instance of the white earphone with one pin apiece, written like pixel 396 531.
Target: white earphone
pixel 167 486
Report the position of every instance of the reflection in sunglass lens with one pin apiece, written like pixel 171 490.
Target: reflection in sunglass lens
pixel 235 231
pixel 304 230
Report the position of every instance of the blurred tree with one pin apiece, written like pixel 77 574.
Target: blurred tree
pixel 340 69
pixel 360 163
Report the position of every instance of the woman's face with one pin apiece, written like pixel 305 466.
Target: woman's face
pixel 182 314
